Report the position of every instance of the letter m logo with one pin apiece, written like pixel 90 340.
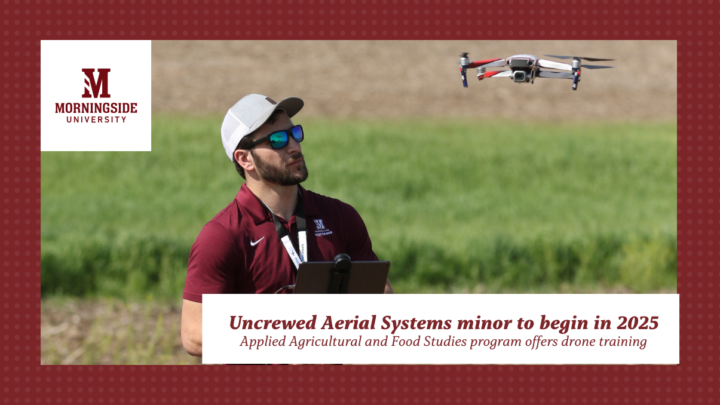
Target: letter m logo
pixel 99 87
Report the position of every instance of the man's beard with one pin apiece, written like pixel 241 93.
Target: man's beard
pixel 281 175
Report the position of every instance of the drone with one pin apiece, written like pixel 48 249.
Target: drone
pixel 526 68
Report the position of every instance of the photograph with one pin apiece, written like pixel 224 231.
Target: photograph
pixel 473 167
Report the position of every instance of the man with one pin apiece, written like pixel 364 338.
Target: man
pixel 254 244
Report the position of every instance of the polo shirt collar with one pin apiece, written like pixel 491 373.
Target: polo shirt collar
pixel 257 211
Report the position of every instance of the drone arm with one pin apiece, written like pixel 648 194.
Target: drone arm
pixel 495 73
pixel 576 77
pixel 487 63
pixel 554 65
pixel 554 75
pixel 463 74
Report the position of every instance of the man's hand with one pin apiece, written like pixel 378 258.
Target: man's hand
pixel 191 327
pixel 388 287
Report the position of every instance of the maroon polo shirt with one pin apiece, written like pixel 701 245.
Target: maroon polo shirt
pixel 239 251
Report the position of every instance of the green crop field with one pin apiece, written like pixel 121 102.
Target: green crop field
pixel 456 206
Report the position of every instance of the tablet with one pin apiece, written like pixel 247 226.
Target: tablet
pixel 364 277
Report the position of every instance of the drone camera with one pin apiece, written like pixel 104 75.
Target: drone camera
pixel 519 76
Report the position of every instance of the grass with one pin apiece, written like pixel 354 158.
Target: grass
pixel 456 206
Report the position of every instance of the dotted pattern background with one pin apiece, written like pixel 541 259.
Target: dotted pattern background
pixel 690 22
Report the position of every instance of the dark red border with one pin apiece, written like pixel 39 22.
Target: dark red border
pixel 26 22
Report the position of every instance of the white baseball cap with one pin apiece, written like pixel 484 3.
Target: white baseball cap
pixel 249 114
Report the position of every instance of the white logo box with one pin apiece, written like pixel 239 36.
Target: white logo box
pixel 71 122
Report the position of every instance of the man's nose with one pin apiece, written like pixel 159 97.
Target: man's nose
pixel 293 146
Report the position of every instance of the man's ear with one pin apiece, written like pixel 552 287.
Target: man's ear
pixel 244 159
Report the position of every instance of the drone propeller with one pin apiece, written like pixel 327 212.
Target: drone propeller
pixel 596 67
pixel 464 55
pixel 579 57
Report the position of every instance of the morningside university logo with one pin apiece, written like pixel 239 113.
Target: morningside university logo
pixel 95 96
pixel 96 83
pixel 320 229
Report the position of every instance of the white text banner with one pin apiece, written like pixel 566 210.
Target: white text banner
pixel 441 329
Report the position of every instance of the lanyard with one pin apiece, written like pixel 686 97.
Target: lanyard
pixel 285 236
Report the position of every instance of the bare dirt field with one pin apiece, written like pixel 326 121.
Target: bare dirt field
pixel 398 79
pixel 106 331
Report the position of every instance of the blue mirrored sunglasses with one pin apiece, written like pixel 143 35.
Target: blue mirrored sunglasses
pixel 279 139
